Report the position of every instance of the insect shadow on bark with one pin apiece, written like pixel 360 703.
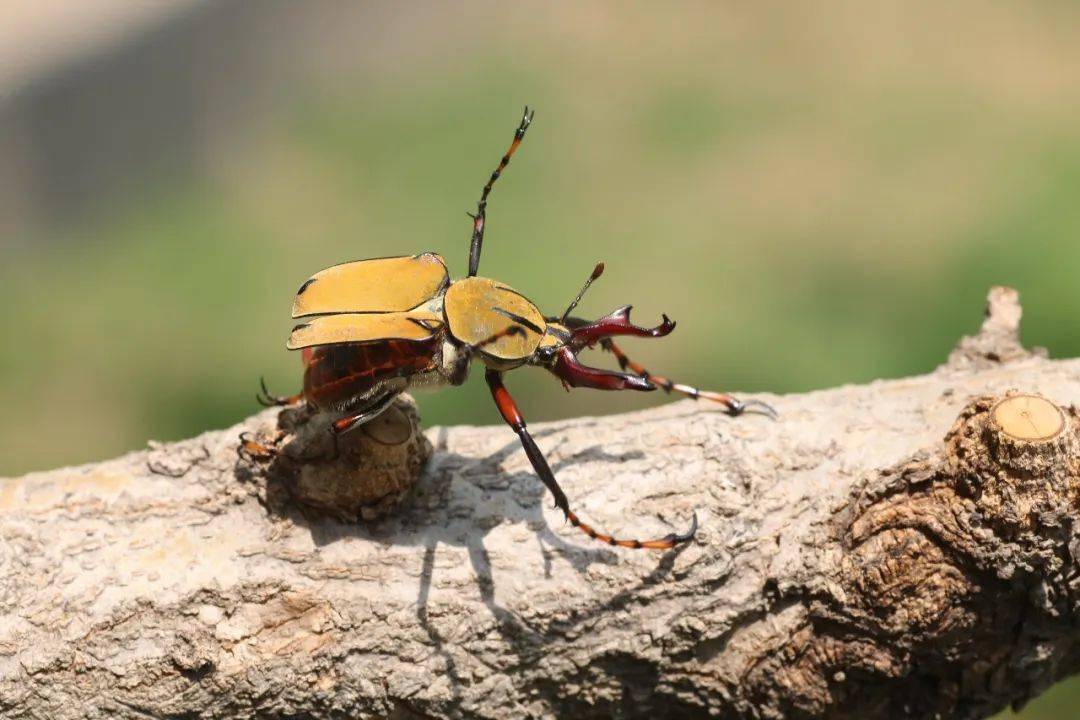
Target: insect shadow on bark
pixel 446 493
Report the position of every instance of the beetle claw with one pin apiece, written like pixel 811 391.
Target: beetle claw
pixel 267 399
pixel 680 538
pixel 263 397
pixel 757 407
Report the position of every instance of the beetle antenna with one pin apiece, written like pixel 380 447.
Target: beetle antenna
pixel 597 272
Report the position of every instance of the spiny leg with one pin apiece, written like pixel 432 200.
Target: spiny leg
pixel 513 417
pixel 266 399
pixel 734 406
pixel 481 207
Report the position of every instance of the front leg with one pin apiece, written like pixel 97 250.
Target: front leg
pixel 513 417
pixel 585 334
pixel 734 405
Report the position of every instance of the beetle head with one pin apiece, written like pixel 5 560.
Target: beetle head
pixel 556 337
pixel 561 343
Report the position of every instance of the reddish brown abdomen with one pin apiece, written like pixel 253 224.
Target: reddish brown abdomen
pixel 337 376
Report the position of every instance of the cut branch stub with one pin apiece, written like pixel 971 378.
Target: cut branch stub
pixel 1016 438
pixel 1027 435
pixel 964 553
pixel 1028 418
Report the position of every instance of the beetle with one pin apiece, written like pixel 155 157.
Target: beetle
pixel 372 329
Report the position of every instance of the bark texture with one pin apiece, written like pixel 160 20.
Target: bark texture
pixel 899 549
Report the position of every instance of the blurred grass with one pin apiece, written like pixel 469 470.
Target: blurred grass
pixel 817 198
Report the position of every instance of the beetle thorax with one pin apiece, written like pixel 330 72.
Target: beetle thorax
pixel 478 314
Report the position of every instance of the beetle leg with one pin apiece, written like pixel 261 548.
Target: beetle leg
pixel 513 417
pixel 734 406
pixel 574 374
pixel 355 420
pixel 265 399
pixel 249 449
pixel 481 207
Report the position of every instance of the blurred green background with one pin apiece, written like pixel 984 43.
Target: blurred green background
pixel 818 193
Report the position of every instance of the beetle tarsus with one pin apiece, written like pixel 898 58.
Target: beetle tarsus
pixel 253 450
pixel 680 538
pixel 733 406
pixel 268 399
pixel 755 407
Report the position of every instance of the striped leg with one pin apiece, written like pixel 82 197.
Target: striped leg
pixel 476 245
pixel 733 405
pixel 253 450
pixel 509 410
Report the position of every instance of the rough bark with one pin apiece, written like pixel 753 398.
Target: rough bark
pixel 899 549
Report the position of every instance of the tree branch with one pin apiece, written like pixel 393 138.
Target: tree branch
pixel 899 549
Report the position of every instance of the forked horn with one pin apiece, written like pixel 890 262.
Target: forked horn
pixel 573 373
